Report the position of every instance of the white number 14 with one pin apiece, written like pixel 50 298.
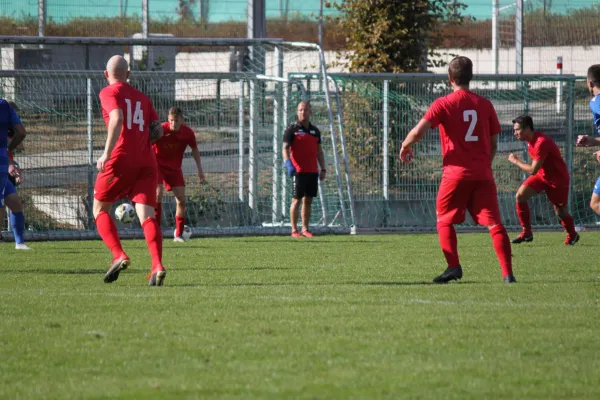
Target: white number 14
pixel 138 115
pixel 470 115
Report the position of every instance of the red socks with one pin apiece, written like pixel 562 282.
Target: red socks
pixel 501 244
pixel 108 232
pixel 153 236
pixel 449 243
pixel 179 222
pixel 569 225
pixel 524 217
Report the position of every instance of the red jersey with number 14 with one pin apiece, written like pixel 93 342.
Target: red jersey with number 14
pixel 467 121
pixel 171 146
pixel 138 112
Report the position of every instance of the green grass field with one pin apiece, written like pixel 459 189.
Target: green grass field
pixel 331 317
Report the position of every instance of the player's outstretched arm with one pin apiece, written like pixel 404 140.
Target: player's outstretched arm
pixel 531 169
pixel 414 136
pixel 115 124
pixel 587 141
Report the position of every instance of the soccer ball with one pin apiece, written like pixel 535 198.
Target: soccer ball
pixel 125 213
pixel 186 234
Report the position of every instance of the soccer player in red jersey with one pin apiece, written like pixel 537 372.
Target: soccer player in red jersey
pixel 127 168
pixel 169 151
pixel 469 129
pixel 303 154
pixel 548 173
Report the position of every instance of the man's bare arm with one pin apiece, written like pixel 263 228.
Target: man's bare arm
pixel 18 137
pixel 531 169
pixel 285 151
pixel 196 156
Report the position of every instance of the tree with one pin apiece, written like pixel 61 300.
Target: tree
pixel 184 10
pixel 393 36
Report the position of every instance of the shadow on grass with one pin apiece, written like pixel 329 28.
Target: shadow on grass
pixel 241 269
pixel 314 240
pixel 307 242
pixel 266 284
pixel 56 271
pixel 86 251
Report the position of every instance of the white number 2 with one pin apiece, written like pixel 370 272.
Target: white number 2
pixel 138 115
pixel 470 115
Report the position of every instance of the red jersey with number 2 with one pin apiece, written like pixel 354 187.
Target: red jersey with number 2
pixel 138 112
pixel 467 121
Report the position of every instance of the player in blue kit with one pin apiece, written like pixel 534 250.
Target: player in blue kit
pixel 9 120
pixel 593 85
pixel 12 200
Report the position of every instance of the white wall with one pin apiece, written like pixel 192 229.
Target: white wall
pixel 536 60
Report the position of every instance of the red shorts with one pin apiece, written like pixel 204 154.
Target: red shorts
pixel 120 179
pixel 558 194
pixel 171 178
pixel 455 197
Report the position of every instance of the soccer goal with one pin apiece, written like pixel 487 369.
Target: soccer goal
pixel 238 95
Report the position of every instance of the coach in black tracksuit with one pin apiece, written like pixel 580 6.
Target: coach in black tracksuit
pixel 301 152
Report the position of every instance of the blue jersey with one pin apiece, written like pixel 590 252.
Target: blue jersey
pixel 595 107
pixel 8 119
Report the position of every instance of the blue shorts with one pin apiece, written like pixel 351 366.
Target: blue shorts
pixel 3 181
pixel 597 187
pixel 9 188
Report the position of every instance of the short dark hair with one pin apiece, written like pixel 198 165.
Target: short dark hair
pixel 525 121
pixel 176 111
pixel 593 74
pixel 460 70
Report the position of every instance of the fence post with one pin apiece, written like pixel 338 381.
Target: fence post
pixel 219 104
pixel 386 87
pixel 495 40
pixel 90 144
pixel 252 151
pixel 570 114
pixel 559 88
pixel 241 143
pixel 519 37
pixel 42 12
pixel 284 119
pixel 277 131
pixel 146 24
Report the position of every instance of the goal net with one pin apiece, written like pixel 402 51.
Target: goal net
pixel 237 95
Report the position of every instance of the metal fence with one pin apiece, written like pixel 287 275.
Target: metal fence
pixel 378 111
pixel 239 119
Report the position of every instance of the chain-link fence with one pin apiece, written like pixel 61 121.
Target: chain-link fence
pixel 379 110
